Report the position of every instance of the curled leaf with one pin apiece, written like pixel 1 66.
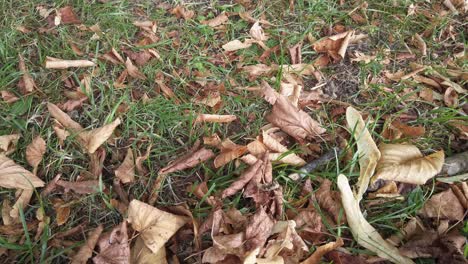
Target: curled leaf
pixel 35 151
pixel 126 171
pixel 14 176
pixel 229 151
pixel 368 152
pixel 54 63
pixel 215 118
pixel 86 251
pixel 405 163
pixel 316 257
pixel 133 70
pixel 8 143
pixel 96 137
pixel 188 161
pixel 362 231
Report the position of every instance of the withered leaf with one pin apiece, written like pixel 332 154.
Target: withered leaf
pixel 126 171
pixel 27 81
pixel 86 251
pixel 181 12
pixel 293 121
pixel 35 151
pixel 229 151
pixel 63 118
pixel 14 176
pixel 62 211
pixel 133 70
pixel 96 137
pixel 257 33
pixel 68 16
pixel 237 45
pixel 114 247
pixel 187 162
pixel 444 205
pixel 54 63
pixel 316 257
pixel 258 229
pixel 141 254
pixel 209 118
pixel 8 143
pixel 8 97
pixel 245 178
pixel 329 201
pixel 81 187
pixel 22 201
pixel 405 163
pixel 217 21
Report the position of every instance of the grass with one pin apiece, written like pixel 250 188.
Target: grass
pixel 169 128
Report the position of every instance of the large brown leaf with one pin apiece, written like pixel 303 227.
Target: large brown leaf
pixel 368 152
pixel 405 163
pixel 86 251
pixel 96 137
pixel 14 176
pixel 187 162
pixel 114 247
pixel 444 205
pixel 229 151
pixel 258 230
pixel 293 121
pixel 316 257
pixel 35 151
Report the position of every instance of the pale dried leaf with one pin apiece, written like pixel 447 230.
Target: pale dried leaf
pixel 21 202
pixel 155 226
pixel 181 12
pixel 8 97
pixel 81 187
pixel 114 247
pixel 229 153
pixel 236 45
pixel 217 21
pixel 13 176
pixel 209 118
pixel 444 205
pixel 96 137
pixel 362 231
pixel 86 251
pixel 8 143
pixel 316 257
pixel 126 171
pixel 28 81
pixel 191 161
pixel 35 151
pixel 368 152
pixel 63 118
pixel 54 63
pixel 133 70
pixel 257 33
pixel 405 163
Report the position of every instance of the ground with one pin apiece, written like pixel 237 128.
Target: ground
pixel 192 63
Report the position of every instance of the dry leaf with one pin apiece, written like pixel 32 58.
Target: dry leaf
pixel 133 70
pixel 27 81
pixel 236 45
pixel 245 178
pixel 81 187
pixel 293 121
pixel 275 146
pixel 316 257
pixel 258 229
pixel 217 21
pixel 336 46
pixel 23 200
pixel 86 251
pixel 168 93
pixel 62 211
pixel 330 201
pixel 368 152
pixel 405 163
pixel 444 205
pixel 114 247
pixel 126 171
pixel 180 11
pixel 54 63
pixel 256 31
pixel 68 16
pixel 215 118
pixel 187 162
pixel 63 118
pixel 35 151
pixel 8 143
pixel 295 53
pixel 96 137
pixel 229 151
pixel 155 226
pixel 362 231
pixel 141 254
pixel 13 176
pixel 8 97
pixel 421 44
pixel 113 56
pixel 451 97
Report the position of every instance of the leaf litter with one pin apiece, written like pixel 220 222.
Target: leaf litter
pixel 241 207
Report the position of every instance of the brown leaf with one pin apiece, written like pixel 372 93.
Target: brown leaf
pixel 62 211
pixel 293 121
pixel 133 70
pixel 168 93
pixel 86 251
pixel 330 201
pixel 237 45
pixel 155 226
pixel 8 97
pixel 82 187
pixel 420 43
pixel 8 143
pixel 54 63
pixel 295 53
pixel 258 230
pixel 27 80
pixel 405 163
pixel 114 247
pixel 217 21
pixel 229 151
pixel 63 118
pixel 187 162
pixel 245 178
pixel 68 16
pixel 51 186
pixel 257 33
pixel 113 57
pixel 23 200
pixel 336 46
pixel 444 205
pixel 96 137
pixel 451 97
pixel 141 254
pixel 316 257
pixel 180 11
pixel 35 151
pixel 397 129
pixel 126 171
pixel 215 118
pixel 13 176
pixel 274 146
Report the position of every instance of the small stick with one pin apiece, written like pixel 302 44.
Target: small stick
pixel 455 164
pixel 311 166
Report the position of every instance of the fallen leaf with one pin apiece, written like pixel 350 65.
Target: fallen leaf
pixel 96 137
pixel 275 146
pixel 421 44
pixel 68 16
pixel 217 21
pixel 8 143
pixel 155 226
pixel 126 171
pixel 316 257
pixel 236 45
pixel 180 11
pixel 113 56
pixel 362 231
pixel 133 71
pixel 187 162
pixel 63 118
pixel 295 53
pixel 405 163
pixel 27 81
pixel 397 129
pixel 62 211
pixel 257 33
pixel 81 187
pixel 245 178
pixel 23 200
pixel 35 151
pixel 293 121
pixel 54 63
pixel 114 247
pixel 141 254
pixel 444 205
pixel 330 201
pixel 361 57
pixel 451 97
pixel 6 209
pixel 368 152
pixel 210 100
pixel 258 229
pixel 13 176
pixel 8 97
pixel 229 152
pixel 86 251
pixel 168 93
pixel 209 118
pixel 336 46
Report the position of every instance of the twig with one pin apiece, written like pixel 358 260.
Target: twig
pixel 311 166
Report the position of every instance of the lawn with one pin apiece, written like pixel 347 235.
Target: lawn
pixel 127 131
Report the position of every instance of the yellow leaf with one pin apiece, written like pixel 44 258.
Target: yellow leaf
pixel 405 163
pixel 362 231
pixel 368 152
pixel 14 176
pixel 155 226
